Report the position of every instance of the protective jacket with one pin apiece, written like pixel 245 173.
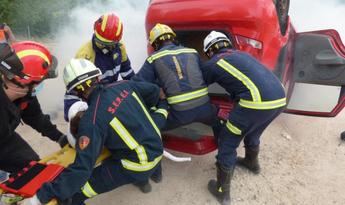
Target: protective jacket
pixel 176 70
pixel 111 65
pixel 245 79
pixel 118 118
pixel 28 109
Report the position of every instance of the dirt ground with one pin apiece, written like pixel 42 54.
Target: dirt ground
pixel 302 161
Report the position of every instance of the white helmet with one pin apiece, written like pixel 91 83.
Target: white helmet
pixel 213 38
pixel 78 71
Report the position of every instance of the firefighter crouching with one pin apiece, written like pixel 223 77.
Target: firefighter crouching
pixel 176 69
pixel 260 99
pixel 118 119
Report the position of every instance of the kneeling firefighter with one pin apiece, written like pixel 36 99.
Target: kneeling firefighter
pixel 117 118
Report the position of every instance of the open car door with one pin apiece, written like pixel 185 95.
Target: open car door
pixel 318 74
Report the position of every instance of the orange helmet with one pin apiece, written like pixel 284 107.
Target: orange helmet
pixel 37 62
pixel 108 28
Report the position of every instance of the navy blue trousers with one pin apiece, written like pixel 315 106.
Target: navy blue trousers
pixel 111 175
pixel 206 113
pixel 251 122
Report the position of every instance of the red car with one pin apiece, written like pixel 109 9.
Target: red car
pixel 311 65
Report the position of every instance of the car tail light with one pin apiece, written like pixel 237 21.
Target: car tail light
pixel 249 45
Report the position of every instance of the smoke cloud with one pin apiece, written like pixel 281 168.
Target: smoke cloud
pixel 75 33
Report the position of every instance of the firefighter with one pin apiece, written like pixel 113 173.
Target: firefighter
pixel 21 71
pixel 118 119
pixel 176 70
pixel 6 35
pixel 259 98
pixel 106 51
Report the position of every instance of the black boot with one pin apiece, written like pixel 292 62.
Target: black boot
pixel 144 186
pixel 221 188
pixel 157 175
pixel 250 161
pixel 342 136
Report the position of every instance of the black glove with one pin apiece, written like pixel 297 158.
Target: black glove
pixel 62 140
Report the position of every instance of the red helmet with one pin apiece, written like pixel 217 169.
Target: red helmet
pixel 37 61
pixel 108 28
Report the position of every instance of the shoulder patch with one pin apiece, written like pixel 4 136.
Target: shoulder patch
pixel 83 142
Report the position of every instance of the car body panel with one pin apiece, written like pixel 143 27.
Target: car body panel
pixel 311 65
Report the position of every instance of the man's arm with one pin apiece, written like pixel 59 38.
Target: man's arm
pixel 148 91
pixel 88 148
pixel 160 113
pixel 34 117
pixel 69 100
pixel 126 70
pixel 146 73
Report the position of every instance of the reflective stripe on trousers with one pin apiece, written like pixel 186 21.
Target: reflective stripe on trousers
pixel 263 105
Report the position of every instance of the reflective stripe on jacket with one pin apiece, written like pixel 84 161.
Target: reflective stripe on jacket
pixel 246 79
pixel 177 70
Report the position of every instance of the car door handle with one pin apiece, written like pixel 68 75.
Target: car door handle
pixel 329 57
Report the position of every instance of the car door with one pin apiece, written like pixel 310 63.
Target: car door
pixel 318 74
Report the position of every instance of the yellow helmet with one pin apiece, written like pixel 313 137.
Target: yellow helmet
pixel 158 31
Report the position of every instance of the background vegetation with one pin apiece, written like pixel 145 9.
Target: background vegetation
pixel 37 17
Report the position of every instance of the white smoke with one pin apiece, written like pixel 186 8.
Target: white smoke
pixel 309 15
pixel 78 31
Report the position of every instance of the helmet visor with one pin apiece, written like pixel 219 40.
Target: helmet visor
pixel 105 45
pixel 10 64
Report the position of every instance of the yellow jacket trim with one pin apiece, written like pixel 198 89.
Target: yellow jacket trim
pixel 254 91
pixel 140 167
pixel 233 128
pixel 163 112
pixel 146 113
pixel 88 190
pixel 264 105
pixel 187 96
pixel 129 139
pixel 123 133
pixel 170 52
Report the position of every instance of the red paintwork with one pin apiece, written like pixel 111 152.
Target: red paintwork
pixel 246 18
pixel 259 23
pixel 204 145
pixel 252 19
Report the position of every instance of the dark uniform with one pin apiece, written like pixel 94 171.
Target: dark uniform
pixel 15 153
pixel 176 70
pixel 118 119
pixel 259 94
pixel 111 64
